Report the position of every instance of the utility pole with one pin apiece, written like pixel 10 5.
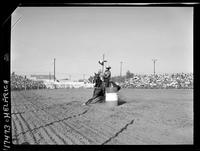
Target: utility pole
pixel 54 69
pixel 154 67
pixel 103 64
pixel 121 68
pixel 83 76
pixel 69 77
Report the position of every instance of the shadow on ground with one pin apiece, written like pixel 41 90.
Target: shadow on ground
pixel 120 102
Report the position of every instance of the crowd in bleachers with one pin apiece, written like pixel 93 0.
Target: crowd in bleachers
pixel 21 83
pixel 159 81
pixel 177 80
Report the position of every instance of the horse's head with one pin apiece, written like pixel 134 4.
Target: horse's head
pixel 97 80
pixel 96 77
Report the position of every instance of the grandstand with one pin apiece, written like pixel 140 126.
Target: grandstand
pixel 19 82
pixel 158 81
pixel 162 81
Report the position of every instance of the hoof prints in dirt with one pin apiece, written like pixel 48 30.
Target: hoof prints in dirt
pixel 38 120
pixel 66 134
pixel 120 131
pixel 58 124
pixel 24 129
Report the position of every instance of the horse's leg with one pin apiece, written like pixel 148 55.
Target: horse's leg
pixel 94 92
pixel 100 97
pixel 97 96
pixel 88 101
pixel 103 88
pixel 93 97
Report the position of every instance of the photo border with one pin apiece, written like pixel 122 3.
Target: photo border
pixel 5 32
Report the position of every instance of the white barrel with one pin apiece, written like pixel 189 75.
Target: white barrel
pixel 111 99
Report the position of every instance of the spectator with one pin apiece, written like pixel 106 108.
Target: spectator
pixel 18 83
pixel 178 80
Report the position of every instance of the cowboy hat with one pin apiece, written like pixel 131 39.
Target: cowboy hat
pixel 108 67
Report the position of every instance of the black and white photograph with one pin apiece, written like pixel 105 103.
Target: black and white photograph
pixel 102 75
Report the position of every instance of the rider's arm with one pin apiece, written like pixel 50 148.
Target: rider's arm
pixel 107 74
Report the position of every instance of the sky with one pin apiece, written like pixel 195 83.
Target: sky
pixel 77 37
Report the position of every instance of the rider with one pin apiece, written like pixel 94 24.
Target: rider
pixel 107 76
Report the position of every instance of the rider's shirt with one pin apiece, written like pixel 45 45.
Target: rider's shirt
pixel 107 74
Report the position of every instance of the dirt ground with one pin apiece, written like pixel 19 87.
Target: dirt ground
pixel 143 116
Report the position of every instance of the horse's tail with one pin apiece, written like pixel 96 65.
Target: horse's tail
pixel 115 85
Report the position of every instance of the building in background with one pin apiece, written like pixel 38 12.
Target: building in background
pixel 42 77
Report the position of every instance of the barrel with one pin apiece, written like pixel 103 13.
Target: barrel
pixel 111 97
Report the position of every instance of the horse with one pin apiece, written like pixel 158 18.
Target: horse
pixel 99 90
